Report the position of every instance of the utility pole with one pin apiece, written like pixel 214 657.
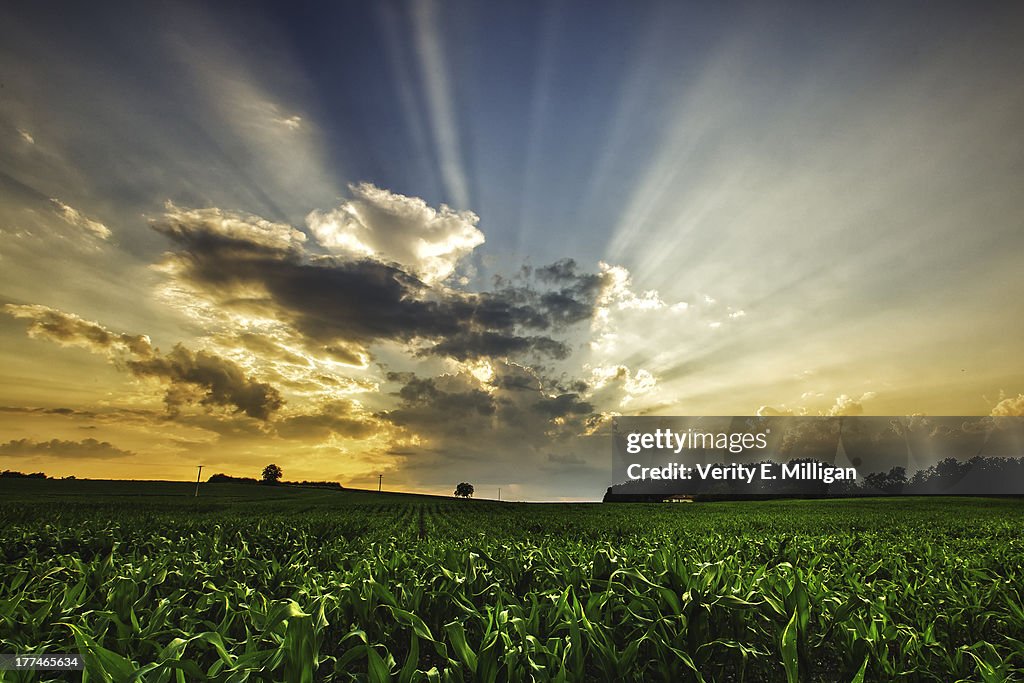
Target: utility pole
pixel 198 477
pixel 499 494
pixel 380 478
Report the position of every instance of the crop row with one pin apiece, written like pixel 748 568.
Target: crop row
pixel 468 591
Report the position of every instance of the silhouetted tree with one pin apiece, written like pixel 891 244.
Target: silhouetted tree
pixel 13 474
pixel 272 474
pixel 226 479
pixel 464 490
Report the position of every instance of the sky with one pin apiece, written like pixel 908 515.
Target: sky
pixel 445 241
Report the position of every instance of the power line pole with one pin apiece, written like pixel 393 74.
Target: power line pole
pixel 380 478
pixel 198 477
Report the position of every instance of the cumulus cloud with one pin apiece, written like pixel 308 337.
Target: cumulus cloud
pixel 350 303
pixel 769 411
pixel 87 448
pixel 511 401
pixel 428 404
pixel 618 293
pixel 626 319
pixel 393 228
pixel 68 329
pixel 562 405
pixel 469 417
pixel 284 309
pixel 619 384
pixel 383 282
pixel 844 405
pixel 222 228
pixel 207 379
pixel 1012 406
pixel 377 278
pixel 191 377
pixel 847 405
pixel 475 344
pixel 74 217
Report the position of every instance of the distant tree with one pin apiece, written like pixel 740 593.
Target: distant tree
pixel 14 474
pixel 272 474
pixel 897 479
pixel 464 490
pixel 893 481
pixel 949 470
pixel 221 478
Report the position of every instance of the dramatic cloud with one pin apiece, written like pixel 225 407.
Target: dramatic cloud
pixel 562 406
pixel 223 228
pixel 393 228
pixel 74 217
pixel 277 309
pixel 68 329
pixel 469 418
pixel 192 377
pixel 342 305
pixel 207 379
pixel 562 270
pixel 624 320
pixel 87 448
pixel 473 344
pixel 508 400
pixel 1010 407
pixel 342 418
pixel 427 406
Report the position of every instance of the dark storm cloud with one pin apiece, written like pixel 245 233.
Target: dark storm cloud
pixel 191 376
pixel 447 410
pixel 468 420
pixel 246 263
pixel 565 308
pixel 218 382
pixel 341 417
pixel 517 402
pixel 515 381
pixel 423 392
pixel 559 271
pixel 563 405
pixel 574 301
pixel 469 345
pixel 457 415
pixel 87 448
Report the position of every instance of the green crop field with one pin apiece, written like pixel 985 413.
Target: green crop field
pixel 274 584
